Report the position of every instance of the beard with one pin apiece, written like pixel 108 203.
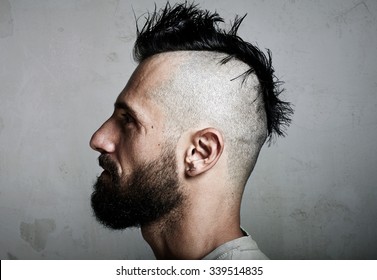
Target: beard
pixel 151 192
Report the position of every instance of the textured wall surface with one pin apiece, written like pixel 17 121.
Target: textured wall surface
pixel 62 63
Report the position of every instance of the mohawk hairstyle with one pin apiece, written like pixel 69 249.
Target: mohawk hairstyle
pixel 186 27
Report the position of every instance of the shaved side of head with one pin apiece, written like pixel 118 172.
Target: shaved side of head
pixel 201 91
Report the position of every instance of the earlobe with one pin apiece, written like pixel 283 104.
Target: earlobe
pixel 204 151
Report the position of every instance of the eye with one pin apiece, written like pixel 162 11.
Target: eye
pixel 127 118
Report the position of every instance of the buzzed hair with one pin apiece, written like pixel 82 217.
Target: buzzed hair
pixel 221 80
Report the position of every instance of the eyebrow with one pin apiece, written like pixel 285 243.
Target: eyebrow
pixel 124 106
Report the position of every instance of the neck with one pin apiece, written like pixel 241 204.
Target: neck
pixel 203 227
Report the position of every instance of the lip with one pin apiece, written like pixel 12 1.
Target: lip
pixel 105 173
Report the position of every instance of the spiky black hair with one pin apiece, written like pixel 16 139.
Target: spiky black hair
pixel 186 27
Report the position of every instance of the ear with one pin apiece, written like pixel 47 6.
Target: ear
pixel 204 151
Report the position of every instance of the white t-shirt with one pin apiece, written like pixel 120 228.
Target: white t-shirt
pixel 243 248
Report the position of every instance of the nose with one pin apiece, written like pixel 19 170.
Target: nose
pixel 103 140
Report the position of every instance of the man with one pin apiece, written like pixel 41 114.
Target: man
pixel 185 135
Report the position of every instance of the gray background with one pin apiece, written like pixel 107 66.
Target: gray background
pixel 62 64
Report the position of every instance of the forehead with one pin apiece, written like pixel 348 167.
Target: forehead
pixel 149 77
pixel 145 83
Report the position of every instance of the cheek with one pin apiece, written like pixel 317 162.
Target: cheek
pixel 149 149
pixel 138 149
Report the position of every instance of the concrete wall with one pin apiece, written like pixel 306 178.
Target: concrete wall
pixel 62 64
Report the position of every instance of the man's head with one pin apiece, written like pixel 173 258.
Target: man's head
pixel 195 112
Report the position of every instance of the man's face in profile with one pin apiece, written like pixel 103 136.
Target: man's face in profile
pixel 140 182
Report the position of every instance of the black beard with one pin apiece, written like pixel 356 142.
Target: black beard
pixel 150 193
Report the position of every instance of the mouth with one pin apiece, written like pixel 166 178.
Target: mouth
pixel 108 166
pixel 105 174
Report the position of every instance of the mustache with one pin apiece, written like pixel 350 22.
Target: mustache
pixel 108 164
